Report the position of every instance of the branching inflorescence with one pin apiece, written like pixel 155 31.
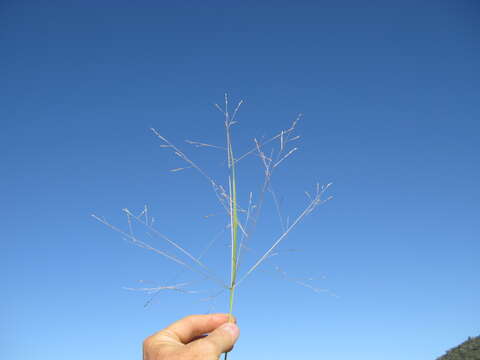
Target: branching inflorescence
pixel 241 227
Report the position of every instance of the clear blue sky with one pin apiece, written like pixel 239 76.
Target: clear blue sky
pixel 390 93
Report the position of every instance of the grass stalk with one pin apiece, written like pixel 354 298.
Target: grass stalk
pixel 232 181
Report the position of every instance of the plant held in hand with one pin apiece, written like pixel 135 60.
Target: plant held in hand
pixel 241 221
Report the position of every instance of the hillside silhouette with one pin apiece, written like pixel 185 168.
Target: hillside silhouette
pixel 468 350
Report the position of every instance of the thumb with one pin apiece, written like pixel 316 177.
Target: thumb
pixel 219 341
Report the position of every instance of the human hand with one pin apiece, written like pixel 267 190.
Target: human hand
pixel 185 339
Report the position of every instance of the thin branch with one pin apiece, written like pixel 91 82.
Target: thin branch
pixel 218 190
pixel 174 244
pixel 143 244
pixel 200 144
pixel 236 110
pixel 244 233
pixel 277 207
pixel 154 290
pixel 301 282
pixel 311 206
pixel 261 144
pixel 284 157
pixel 147 246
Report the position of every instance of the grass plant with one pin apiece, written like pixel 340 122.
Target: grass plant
pixel 242 220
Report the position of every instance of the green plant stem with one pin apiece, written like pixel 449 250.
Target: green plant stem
pixel 234 227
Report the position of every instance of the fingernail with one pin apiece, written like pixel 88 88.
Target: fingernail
pixel 232 329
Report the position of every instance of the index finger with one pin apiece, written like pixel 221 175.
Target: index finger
pixel 193 326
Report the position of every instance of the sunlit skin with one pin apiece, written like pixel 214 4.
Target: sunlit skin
pixel 195 337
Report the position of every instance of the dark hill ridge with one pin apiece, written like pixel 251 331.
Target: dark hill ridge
pixel 469 350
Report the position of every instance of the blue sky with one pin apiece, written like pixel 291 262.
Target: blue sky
pixel 389 91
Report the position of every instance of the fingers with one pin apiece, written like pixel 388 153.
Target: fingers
pixel 191 327
pixel 183 339
pixel 219 341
